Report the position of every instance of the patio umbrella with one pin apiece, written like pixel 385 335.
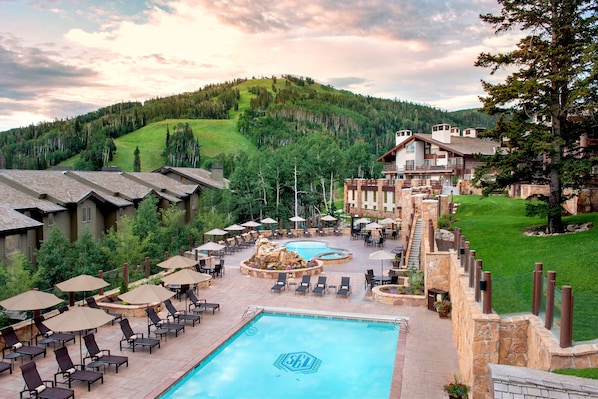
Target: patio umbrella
pixel 268 221
pixel 31 300
pixel 79 318
pixel 296 219
pixel 215 232
pixel 329 218
pixel 387 221
pixel 382 254
pixel 362 221
pixel 81 283
pixel 251 223
pixel 210 246
pixel 234 227
pixel 146 294
pixel 177 262
pixel 373 226
pixel 186 277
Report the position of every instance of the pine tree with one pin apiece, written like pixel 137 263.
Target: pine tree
pixel 137 161
pixel 555 78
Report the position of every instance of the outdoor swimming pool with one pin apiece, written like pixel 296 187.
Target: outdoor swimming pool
pixel 315 249
pixel 292 356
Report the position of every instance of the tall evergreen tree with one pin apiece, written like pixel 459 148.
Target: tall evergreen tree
pixel 137 161
pixel 555 77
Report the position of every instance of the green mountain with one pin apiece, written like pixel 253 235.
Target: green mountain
pixel 221 121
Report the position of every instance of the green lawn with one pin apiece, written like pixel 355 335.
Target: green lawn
pixel 495 228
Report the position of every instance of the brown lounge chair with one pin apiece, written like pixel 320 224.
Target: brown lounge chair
pixel 70 373
pixel 42 389
pixel 199 305
pixel 177 315
pixel 48 335
pixel 134 339
pixel 91 302
pixel 5 366
pixel 95 354
pixel 14 344
pixel 160 324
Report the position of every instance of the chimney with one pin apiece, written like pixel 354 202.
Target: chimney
pixel 217 172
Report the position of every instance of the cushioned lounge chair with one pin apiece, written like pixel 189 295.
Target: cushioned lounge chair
pixel 14 344
pixel 69 372
pixel 134 339
pixel 91 302
pixel 345 287
pixel 320 287
pixel 280 284
pixel 94 353
pixel 164 324
pixel 178 315
pixel 50 336
pixel 199 305
pixel 304 285
pixel 35 387
pixel 306 232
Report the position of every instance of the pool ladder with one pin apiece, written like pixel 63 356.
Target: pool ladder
pixel 402 323
pixel 250 312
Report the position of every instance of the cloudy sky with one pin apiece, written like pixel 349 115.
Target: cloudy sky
pixel 62 58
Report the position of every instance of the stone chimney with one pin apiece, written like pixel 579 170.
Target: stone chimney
pixel 217 172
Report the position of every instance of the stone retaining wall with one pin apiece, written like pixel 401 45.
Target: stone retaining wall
pixel 273 274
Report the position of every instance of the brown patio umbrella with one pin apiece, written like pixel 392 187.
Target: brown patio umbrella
pixel 31 300
pixel 147 294
pixel 177 262
pixel 81 283
pixel 186 277
pixel 79 318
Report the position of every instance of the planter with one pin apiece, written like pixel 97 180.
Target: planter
pixel 443 314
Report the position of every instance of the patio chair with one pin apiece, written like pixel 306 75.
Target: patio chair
pixel 336 231
pixel 134 339
pixel 63 309
pixel 199 305
pixel 345 287
pixel 42 389
pixel 163 324
pixel 94 353
pixel 304 285
pixel 280 284
pixel 321 232
pixel 217 271
pixel 369 281
pixel 50 336
pixel 320 287
pixel 177 315
pixel 290 233
pixel 91 302
pixel 5 366
pixel 70 373
pixel 22 347
pixel 306 232
pixel 221 263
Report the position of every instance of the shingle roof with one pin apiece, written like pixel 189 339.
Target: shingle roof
pixel 113 183
pixel 201 176
pixel 57 185
pixel 16 199
pixel 163 183
pixel 12 221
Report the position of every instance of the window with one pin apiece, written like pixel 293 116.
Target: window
pixel 120 213
pixel 89 213
pixel 410 147
pixel 86 214
pixel 50 219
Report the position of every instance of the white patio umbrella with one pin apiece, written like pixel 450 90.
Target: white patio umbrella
pixel 251 223
pixel 215 232
pixel 373 226
pixel 268 221
pixel 234 227
pixel 329 218
pixel 177 262
pixel 79 318
pixel 210 246
pixel 387 221
pixel 382 255
pixel 296 219
pixel 362 221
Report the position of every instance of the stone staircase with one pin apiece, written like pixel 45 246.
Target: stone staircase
pixel 413 261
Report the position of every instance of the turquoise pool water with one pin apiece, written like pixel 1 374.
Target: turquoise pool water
pixel 315 249
pixel 297 357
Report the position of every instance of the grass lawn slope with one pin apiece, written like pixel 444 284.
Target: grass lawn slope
pixel 495 227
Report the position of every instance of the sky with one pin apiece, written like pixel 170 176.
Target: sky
pixel 63 58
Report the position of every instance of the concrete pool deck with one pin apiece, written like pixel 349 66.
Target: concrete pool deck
pixel 428 359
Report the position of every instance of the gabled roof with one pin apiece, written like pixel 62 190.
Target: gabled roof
pixel 161 183
pixel 55 186
pixel 462 146
pixel 12 221
pixel 196 175
pixel 19 200
pixel 112 183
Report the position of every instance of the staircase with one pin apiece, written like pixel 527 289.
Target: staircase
pixel 413 261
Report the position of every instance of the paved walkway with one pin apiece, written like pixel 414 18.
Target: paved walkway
pixel 429 361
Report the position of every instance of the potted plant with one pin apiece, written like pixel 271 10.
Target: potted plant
pixel 396 261
pixel 443 306
pixel 456 389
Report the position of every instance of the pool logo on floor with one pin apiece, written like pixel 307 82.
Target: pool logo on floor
pixel 298 362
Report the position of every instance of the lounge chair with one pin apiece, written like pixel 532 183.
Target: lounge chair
pixel 91 302
pixel 94 353
pixel 336 231
pixel 321 232
pixel 177 315
pixel 304 285
pixel 50 336
pixel 320 287
pixel 217 271
pixel 281 283
pixel 23 348
pixel 306 232
pixel 42 389
pixel 290 233
pixel 160 324
pixel 5 366
pixel 199 305
pixel 70 373
pixel 345 287
pixel 134 339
